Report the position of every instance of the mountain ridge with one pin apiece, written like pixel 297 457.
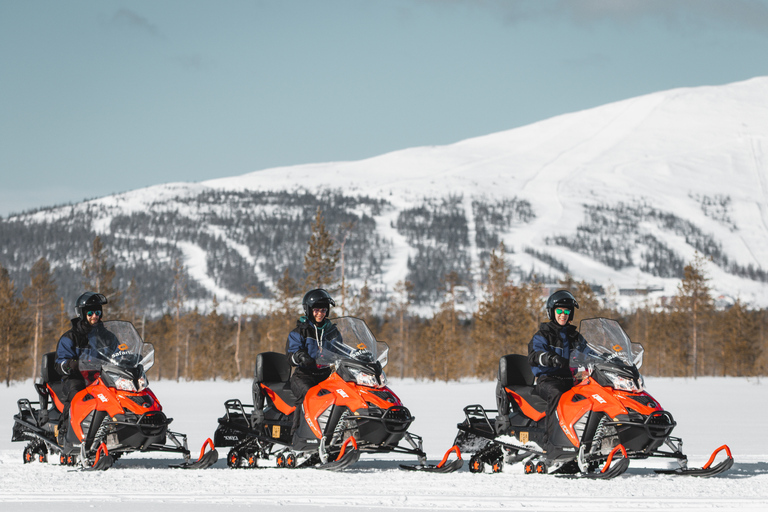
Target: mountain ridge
pixel 620 195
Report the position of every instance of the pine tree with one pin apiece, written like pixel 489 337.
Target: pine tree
pixel 506 318
pixel 41 298
pixel 178 298
pixel 397 326
pixel 362 305
pixel 344 231
pixel 99 275
pixel 493 319
pixel 287 294
pixel 132 310
pixel 737 332
pixel 694 305
pixel 12 330
pixel 321 257
pixel 238 334
pixel 272 330
pixel 442 351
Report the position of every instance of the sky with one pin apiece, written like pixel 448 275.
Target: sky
pixel 101 96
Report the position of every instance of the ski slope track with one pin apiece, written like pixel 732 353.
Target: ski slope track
pixel 710 412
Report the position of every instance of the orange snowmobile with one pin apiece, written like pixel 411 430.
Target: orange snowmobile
pixel 351 412
pixel 115 414
pixel 604 421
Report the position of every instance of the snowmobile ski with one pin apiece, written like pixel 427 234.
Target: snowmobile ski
pixel 103 460
pixel 346 457
pixel 442 467
pixel 206 459
pixel 707 470
pixel 609 470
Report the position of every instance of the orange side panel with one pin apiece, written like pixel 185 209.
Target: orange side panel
pixel 279 402
pixel 314 406
pixel 597 398
pixel 56 401
pixel 527 408
pixel 103 399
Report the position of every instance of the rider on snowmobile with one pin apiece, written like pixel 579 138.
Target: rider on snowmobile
pixel 549 352
pixel 305 341
pixel 88 308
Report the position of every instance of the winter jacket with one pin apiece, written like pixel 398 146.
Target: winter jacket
pixel 71 345
pixel 553 338
pixel 308 337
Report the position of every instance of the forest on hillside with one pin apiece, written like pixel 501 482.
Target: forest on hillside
pixel 686 337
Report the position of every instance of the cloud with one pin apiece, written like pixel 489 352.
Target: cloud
pixel 132 20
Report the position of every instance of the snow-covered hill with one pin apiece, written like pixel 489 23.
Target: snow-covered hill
pixel 621 196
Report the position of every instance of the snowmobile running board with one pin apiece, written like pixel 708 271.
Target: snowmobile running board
pixel 206 459
pixel 441 467
pixel 706 471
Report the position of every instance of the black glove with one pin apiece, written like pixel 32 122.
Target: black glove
pixel 555 360
pixel 68 365
pixel 304 360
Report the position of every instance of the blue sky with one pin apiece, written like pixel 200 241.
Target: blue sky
pixel 102 96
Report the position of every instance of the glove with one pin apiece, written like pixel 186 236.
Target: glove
pixel 68 365
pixel 555 360
pixel 304 360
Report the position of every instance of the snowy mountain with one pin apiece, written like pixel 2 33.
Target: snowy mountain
pixel 621 196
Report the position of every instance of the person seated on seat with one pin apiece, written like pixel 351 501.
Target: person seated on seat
pixel 305 341
pixel 88 308
pixel 549 352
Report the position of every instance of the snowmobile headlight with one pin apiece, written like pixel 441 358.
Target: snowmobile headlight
pixel 624 383
pixel 121 382
pixel 363 378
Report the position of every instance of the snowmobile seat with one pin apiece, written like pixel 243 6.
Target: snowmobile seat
pixel 273 371
pixel 514 370
pixel 515 375
pixel 51 377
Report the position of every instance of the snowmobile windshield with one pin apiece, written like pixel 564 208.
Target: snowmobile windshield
pixel 605 341
pixel 352 339
pixel 116 343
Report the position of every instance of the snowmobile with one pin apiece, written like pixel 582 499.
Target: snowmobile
pixel 604 421
pixel 349 413
pixel 115 414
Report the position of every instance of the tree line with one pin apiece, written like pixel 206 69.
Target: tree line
pixel 686 336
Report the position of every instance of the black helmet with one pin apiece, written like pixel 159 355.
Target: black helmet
pixel 89 301
pixel 562 298
pixel 318 298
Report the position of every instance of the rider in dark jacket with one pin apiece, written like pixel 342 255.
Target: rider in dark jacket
pixel 549 353
pixel 305 341
pixel 88 308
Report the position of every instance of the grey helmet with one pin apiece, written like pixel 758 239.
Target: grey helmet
pixel 562 298
pixel 89 301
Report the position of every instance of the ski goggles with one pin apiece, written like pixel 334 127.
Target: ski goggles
pixel 561 311
pixel 319 310
pixel 91 313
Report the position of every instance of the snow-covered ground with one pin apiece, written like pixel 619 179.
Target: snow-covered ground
pixel 709 412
